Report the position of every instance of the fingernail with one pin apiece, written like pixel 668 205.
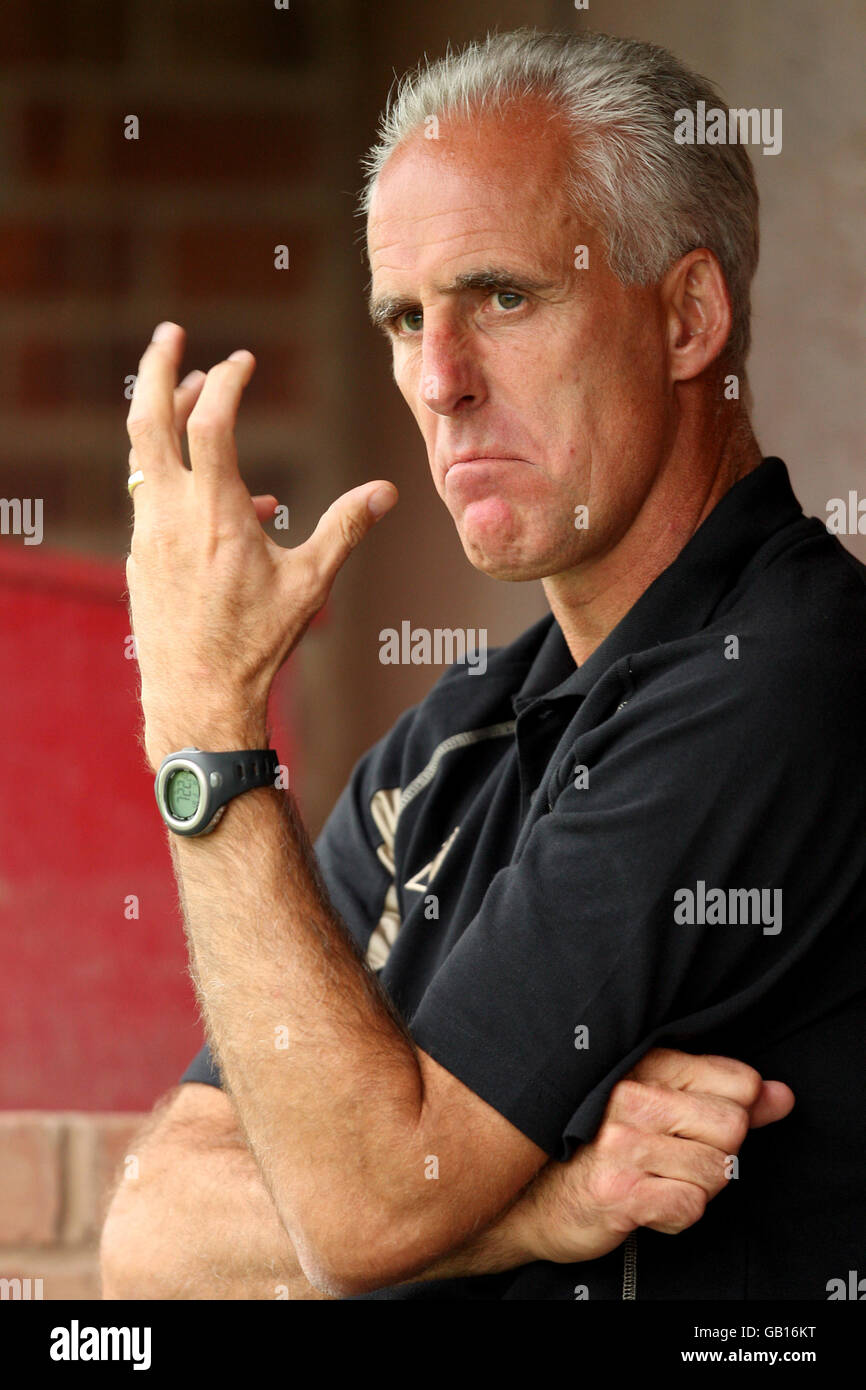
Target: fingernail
pixel 162 330
pixel 380 501
pixel 191 377
pixel 237 354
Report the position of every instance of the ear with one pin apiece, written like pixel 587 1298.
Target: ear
pixel 698 309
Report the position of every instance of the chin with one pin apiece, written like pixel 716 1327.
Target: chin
pixel 512 566
pixel 510 542
pixel 519 559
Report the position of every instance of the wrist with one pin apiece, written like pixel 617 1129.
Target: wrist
pixel 521 1227
pixel 504 1245
pixel 552 1223
pixel 210 735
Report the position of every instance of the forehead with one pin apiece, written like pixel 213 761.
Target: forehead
pixel 491 186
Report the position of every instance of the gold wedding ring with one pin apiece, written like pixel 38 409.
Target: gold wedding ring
pixel 133 481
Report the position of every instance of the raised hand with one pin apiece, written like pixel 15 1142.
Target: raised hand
pixel 216 605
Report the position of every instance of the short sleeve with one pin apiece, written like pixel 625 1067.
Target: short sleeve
pixel 203 1068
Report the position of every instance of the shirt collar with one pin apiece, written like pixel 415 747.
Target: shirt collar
pixel 682 598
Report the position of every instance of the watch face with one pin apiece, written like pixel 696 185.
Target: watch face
pixel 183 794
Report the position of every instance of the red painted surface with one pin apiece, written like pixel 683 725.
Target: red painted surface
pixel 96 1009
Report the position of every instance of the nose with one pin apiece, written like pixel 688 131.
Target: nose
pixel 451 376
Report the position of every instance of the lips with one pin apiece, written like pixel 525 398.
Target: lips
pixel 475 457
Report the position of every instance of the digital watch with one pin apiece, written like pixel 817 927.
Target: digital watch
pixel 193 788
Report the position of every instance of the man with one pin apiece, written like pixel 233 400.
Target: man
pixel 634 830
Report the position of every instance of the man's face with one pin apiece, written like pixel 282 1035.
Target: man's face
pixel 539 387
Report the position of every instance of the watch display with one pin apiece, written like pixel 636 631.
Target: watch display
pixel 183 794
pixel 193 787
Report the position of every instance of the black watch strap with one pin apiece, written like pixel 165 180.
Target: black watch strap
pixel 220 778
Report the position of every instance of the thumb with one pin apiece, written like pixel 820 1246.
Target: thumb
pixel 345 524
pixel 774 1103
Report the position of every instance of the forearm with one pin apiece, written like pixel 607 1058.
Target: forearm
pixel 505 1244
pixel 222 1239
pixel 323 1074
pixel 198 1223
pixel 319 1067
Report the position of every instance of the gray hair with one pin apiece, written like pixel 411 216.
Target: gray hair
pixel 652 200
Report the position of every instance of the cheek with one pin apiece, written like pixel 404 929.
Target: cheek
pixel 407 376
pixel 558 381
pixel 621 391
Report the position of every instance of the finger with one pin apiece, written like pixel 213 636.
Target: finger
pixel 666 1206
pixel 265 507
pixel 150 422
pixel 211 426
pixel 686 1160
pixel 658 1109
pixel 185 397
pixel 774 1103
pixel 343 526
pixel 720 1076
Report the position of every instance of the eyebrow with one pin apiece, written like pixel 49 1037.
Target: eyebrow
pixel 383 308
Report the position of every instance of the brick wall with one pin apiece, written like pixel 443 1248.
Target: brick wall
pixel 56 1171
pixel 241 147
pixel 243 144
pixel 98 232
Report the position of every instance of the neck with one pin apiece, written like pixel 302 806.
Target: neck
pixel 590 599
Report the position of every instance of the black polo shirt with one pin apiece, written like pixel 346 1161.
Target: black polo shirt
pixel 556 868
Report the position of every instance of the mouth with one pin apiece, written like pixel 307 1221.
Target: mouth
pixel 468 460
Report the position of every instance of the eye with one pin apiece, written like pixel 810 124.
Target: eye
pixel 410 321
pixel 513 297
